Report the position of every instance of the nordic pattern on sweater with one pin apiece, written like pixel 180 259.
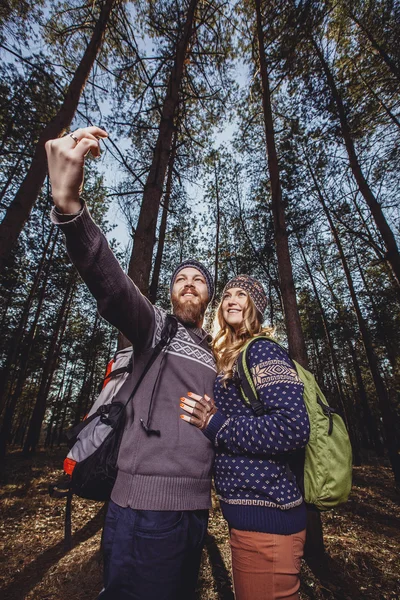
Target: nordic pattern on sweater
pixel 182 344
pixel 250 465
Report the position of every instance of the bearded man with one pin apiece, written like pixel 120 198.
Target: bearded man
pixel 157 517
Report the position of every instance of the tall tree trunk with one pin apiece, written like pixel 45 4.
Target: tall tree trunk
pixel 371 237
pixel 273 281
pixel 8 301
pixel 163 225
pixel 59 433
pixel 11 175
pixel 346 408
pixel 19 210
pixel 315 542
pixel 217 230
pixel 367 415
pixel 142 252
pixel 392 251
pixel 39 410
pixel 370 89
pixel 376 46
pixel 392 350
pixel 332 353
pixel 87 381
pixel 292 317
pixel 388 415
pixel 15 101
pixel 26 346
pixel 57 402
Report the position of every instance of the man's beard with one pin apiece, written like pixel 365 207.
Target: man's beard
pixel 189 313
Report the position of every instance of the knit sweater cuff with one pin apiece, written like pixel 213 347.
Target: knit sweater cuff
pixel 80 223
pixel 214 426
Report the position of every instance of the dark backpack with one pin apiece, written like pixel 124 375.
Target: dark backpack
pixel 91 464
pixel 324 470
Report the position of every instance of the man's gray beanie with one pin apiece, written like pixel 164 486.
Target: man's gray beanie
pixel 195 264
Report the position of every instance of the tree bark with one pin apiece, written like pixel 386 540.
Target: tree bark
pixel 376 46
pixel 217 231
pixel 328 336
pixel 19 210
pixel 142 252
pixel 87 381
pixel 367 416
pixel 392 251
pixel 292 318
pixel 388 415
pixel 39 410
pixel 11 175
pixel 315 542
pixel 26 347
pixel 362 395
pixel 163 225
pixel 392 349
pixel 63 407
pixel 383 104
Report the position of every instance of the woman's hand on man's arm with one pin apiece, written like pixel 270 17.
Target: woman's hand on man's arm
pixel 200 408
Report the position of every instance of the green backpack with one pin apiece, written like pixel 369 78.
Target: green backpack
pixel 324 471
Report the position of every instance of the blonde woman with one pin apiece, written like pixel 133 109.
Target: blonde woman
pixel 258 493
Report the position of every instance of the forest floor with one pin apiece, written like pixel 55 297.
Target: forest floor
pixel 362 540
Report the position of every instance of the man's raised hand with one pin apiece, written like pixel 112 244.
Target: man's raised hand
pixel 66 160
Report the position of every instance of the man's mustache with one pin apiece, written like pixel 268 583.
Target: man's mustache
pixel 190 289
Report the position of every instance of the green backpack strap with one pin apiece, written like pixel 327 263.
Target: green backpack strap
pixel 295 460
pixel 247 387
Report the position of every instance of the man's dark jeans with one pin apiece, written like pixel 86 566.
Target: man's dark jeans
pixel 152 555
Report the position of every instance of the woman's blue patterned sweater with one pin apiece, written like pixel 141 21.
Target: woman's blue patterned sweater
pixel 256 489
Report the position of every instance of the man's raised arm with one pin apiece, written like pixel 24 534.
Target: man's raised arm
pixel 118 299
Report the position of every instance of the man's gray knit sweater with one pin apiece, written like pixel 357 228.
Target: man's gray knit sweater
pixel 170 471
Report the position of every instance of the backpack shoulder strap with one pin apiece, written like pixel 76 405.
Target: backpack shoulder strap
pixel 295 462
pixel 168 333
pixel 169 330
pixel 112 373
pixel 247 387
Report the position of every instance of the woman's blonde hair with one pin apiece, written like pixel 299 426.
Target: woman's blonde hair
pixel 228 342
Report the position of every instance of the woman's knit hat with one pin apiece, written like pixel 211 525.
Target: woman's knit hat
pixel 252 287
pixel 195 264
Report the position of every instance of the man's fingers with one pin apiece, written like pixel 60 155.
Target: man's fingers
pixel 86 145
pixel 87 135
pixel 81 134
pixel 96 131
pixel 68 141
pixel 92 131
